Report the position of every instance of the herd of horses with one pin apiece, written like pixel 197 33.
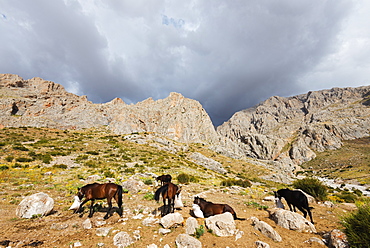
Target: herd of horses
pixel 169 191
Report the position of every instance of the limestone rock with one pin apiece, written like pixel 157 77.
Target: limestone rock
pixel 222 224
pixel 298 126
pixel 122 239
pixel 171 220
pixel 133 186
pixel 337 239
pixel 206 162
pixel 39 204
pixel 260 244
pixel 291 220
pixel 266 229
pixel 191 225
pixel 187 241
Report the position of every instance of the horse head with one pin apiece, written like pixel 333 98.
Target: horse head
pixel 80 194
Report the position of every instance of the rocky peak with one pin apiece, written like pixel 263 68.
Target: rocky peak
pixel 292 129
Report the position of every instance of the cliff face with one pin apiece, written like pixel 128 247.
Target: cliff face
pixel 41 103
pixel 284 132
pixel 290 130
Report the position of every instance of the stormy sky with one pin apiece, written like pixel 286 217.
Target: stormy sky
pixel 228 55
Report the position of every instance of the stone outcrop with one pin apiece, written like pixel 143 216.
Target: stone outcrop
pixel 291 130
pixel 40 103
pixel 291 220
pixel 222 224
pixel 39 204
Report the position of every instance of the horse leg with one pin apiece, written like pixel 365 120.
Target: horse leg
pixel 290 207
pixel 109 200
pixel 310 214
pixel 91 208
pixel 303 211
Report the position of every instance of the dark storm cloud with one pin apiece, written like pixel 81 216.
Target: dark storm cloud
pixel 227 55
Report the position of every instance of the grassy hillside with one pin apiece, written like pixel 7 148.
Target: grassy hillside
pixel 351 161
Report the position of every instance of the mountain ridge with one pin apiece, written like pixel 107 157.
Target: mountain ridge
pixel 280 132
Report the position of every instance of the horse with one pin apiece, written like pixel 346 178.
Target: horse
pixel 210 209
pixel 96 191
pixel 164 179
pixel 297 199
pixel 169 192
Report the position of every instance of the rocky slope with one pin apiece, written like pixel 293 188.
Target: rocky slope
pixel 290 130
pixel 280 132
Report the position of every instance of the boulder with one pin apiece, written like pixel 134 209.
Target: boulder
pixel 266 229
pixel 260 244
pixel 337 239
pixel 191 225
pixel 133 186
pixel 171 220
pixel 122 239
pixel 222 224
pixel 39 204
pixel 291 220
pixel 187 241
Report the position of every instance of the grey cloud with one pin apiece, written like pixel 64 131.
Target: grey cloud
pixel 227 55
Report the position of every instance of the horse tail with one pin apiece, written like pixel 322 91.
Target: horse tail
pixel 227 208
pixel 160 191
pixel 119 192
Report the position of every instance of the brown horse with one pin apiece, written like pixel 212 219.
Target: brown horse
pixel 164 179
pixel 97 191
pixel 210 209
pixel 169 192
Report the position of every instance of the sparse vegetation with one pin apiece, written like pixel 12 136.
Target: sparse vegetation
pixel 356 225
pixel 241 182
pixel 185 178
pixel 313 187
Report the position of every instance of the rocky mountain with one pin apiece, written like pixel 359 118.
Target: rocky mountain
pixel 291 130
pixel 279 133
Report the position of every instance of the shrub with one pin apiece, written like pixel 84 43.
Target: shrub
pixel 23 159
pixel 148 182
pixel 46 158
pixel 313 187
pixel 60 166
pixel 185 178
pixel 199 231
pixel 355 225
pixel 90 164
pixel 346 196
pixel 149 196
pixel 3 167
pixel 20 148
pixel 241 182
pixel 9 158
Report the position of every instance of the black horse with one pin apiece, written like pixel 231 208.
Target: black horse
pixel 164 179
pixel 169 192
pixel 297 199
pixel 210 208
pixel 96 191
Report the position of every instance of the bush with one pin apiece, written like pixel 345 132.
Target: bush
pixel 313 187
pixel 185 178
pixel 346 196
pixel 355 225
pixel 60 166
pixel 149 196
pixel 241 182
pixel 3 167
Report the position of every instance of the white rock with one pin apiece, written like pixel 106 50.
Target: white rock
pixel 122 239
pixel 39 204
pixel 171 220
pixel 222 224
pixel 187 241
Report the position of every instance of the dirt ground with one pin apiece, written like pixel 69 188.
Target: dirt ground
pixel 62 228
